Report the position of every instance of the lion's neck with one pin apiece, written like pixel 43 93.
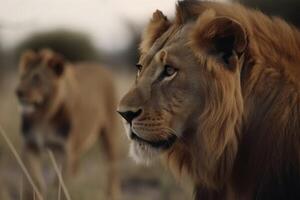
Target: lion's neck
pixel 62 93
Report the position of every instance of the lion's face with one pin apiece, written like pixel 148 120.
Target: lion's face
pixel 39 80
pixel 187 85
pixel 164 98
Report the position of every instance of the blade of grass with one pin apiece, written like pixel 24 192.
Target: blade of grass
pixel 60 178
pixel 21 164
pixel 59 192
pixel 21 188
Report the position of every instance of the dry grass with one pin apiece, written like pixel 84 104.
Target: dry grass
pixel 20 162
pixel 59 176
pixel 26 173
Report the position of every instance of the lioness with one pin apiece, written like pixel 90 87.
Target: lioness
pixel 66 108
pixel 217 95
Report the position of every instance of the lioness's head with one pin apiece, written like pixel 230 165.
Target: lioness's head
pixel 187 89
pixel 40 74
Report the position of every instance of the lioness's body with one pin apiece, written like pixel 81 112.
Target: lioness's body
pixel 218 96
pixel 76 113
pixel 90 99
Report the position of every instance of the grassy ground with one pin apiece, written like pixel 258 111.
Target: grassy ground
pixel 138 182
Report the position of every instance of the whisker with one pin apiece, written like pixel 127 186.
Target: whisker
pixel 170 130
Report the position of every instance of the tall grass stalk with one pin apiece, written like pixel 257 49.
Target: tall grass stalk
pixel 20 162
pixel 60 178
pixel 21 188
pixel 59 192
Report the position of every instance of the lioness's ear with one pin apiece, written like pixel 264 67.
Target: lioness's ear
pixel 220 36
pixel 157 26
pixel 27 59
pixel 57 64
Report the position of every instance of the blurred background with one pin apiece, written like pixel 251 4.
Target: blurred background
pixel 103 31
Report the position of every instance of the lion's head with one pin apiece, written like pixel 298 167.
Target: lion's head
pixel 40 77
pixel 186 100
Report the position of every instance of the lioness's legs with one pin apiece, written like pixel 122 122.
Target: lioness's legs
pixel 62 163
pixel 71 165
pixel 109 148
pixel 33 163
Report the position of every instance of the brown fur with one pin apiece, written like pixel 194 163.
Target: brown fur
pixel 234 103
pixel 158 24
pixel 73 107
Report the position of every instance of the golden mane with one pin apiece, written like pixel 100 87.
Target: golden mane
pixel 260 28
pixel 229 92
pixel 269 113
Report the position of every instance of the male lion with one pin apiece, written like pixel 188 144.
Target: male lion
pixel 66 108
pixel 218 95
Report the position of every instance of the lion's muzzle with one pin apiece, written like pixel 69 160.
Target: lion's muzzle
pixel 158 143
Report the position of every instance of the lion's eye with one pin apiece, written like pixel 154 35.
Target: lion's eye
pixel 169 70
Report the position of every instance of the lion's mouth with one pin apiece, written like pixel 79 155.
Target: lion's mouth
pixel 160 144
pixel 29 102
pixel 32 104
pixel 29 106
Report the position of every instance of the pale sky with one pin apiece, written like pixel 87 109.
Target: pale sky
pixel 103 20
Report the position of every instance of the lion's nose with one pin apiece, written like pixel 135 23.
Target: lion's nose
pixel 130 115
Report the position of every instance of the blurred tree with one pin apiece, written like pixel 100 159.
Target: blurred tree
pixel 132 50
pixel 287 9
pixel 75 46
pixel 127 58
pixel 4 58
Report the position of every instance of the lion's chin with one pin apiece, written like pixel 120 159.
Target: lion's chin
pixel 143 153
pixel 29 107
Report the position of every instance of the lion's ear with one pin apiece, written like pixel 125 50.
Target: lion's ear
pixel 57 64
pixel 27 59
pixel 223 37
pixel 156 27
